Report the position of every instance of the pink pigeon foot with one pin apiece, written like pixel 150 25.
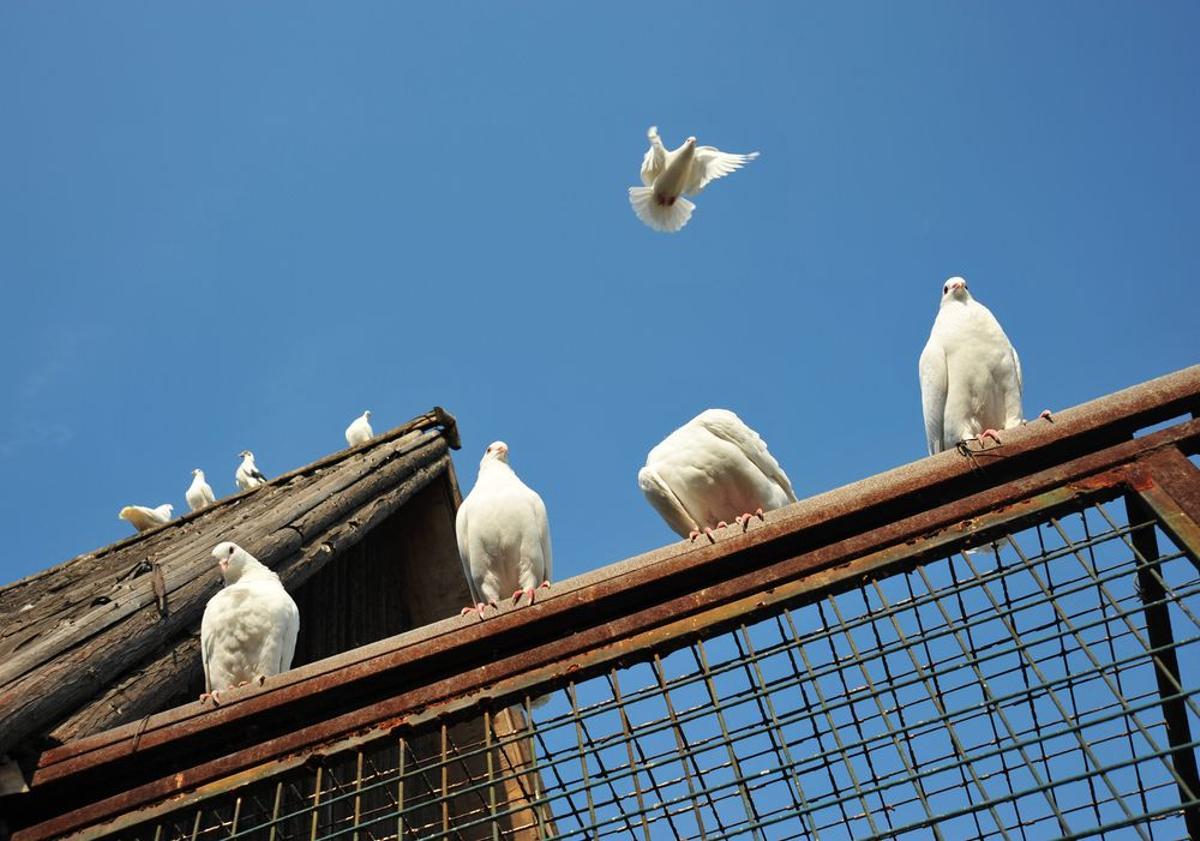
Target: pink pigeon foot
pixel 743 520
pixel 477 609
pixel 210 696
pixel 529 591
pixel 545 585
pixel 1047 415
pixel 696 533
pixel 990 433
pixel 262 679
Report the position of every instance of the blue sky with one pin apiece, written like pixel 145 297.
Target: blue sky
pixel 241 226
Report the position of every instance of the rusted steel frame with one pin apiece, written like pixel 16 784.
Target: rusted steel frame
pixel 1170 486
pixel 1158 630
pixel 573 610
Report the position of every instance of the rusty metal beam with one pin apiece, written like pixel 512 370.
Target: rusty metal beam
pixel 1172 491
pixel 820 543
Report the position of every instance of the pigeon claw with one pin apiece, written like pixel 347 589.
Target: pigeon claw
pixel 743 520
pixel 476 609
pixel 990 433
pixel 1047 415
pixel 205 697
pixel 527 591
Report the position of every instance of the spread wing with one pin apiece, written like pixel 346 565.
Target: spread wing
pixel 711 163
pixel 729 427
pixel 934 385
pixel 655 159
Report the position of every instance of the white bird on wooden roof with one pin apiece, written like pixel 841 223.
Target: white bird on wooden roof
pixel 667 176
pixel 503 534
pixel 248 475
pixel 248 631
pixel 970 373
pixel 359 431
pixel 199 493
pixel 712 470
pixel 144 518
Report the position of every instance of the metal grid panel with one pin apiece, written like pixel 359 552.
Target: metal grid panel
pixel 1016 692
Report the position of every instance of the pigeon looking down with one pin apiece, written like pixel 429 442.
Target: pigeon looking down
pixel 249 628
pixel 248 475
pixel 503 534
pixel 143 518
pixel 970 373
pixel 199 493
pixel 712 470
pixel 667 176
pixel 360 432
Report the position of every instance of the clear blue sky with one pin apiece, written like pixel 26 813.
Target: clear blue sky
pixel 241 225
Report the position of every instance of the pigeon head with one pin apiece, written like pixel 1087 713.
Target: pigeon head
pixel 198 472
pixel 367 414
pixel 691 141
pixel 232 559
pixel 955 289
pixel 496 451
pixel 245 454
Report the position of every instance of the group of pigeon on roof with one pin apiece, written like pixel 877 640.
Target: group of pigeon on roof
pixel 712 471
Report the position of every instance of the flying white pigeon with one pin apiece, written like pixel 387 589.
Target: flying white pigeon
pixel 248 475
pixel 711 470
pixel 249 628
pixel 143 518
pixel 667 176
pixel 970 373
pixel 199 493
pixel 503 534
pixel 360 432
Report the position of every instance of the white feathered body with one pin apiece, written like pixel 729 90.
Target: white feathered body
pixel 668 176
pixel 970 376
pixel 503 535
pixel 249 630
pixel 144 518
pixel 359 432
pixel 714 468
pixel 199 493
pixel 248 475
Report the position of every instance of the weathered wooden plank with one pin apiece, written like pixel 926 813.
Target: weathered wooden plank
pixel 43 696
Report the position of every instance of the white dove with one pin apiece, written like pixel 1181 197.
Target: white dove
pixel 199 493
pixel 144 518
pixel 666 176
pixel 970 373
pixel 711 470
pixel 503 534
pixel 360 432
pixel 248 475
pixel 249 628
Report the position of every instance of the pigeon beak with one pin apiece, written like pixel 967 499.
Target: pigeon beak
pixel 224 565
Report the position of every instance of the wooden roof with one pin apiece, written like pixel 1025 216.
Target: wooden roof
pixel 122 621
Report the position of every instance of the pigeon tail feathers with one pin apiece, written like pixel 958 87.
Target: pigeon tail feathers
pixel 667 218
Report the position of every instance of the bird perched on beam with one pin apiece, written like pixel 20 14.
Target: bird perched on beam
pixel 199 493
pixel 970 373
pixel 359 431
pixel 503 534
pixel 248 475
pixel 144 518
pixel 711 471
pixel 248 631
pixel 667 176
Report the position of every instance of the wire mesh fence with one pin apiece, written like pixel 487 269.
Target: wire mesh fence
pixel 1043 686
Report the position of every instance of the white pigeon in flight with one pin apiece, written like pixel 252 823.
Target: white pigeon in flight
pixel 144 518
pixel 712 470
pixel 360 432
pixel 199 493
pixel 667 176
pixel 249 628
pixel 248 475
pixel 970 373
pixel 503 534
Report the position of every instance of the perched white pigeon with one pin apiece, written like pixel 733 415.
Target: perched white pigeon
pixel 199 493
pixel 667 176
pixel 711 470
pixel 143 518
pixel 503 534
pixel 970 373
pixel 249 628
pixel 360 432
pixel 248 475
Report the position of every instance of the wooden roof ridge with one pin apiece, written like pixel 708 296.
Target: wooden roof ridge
pixel 94 618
